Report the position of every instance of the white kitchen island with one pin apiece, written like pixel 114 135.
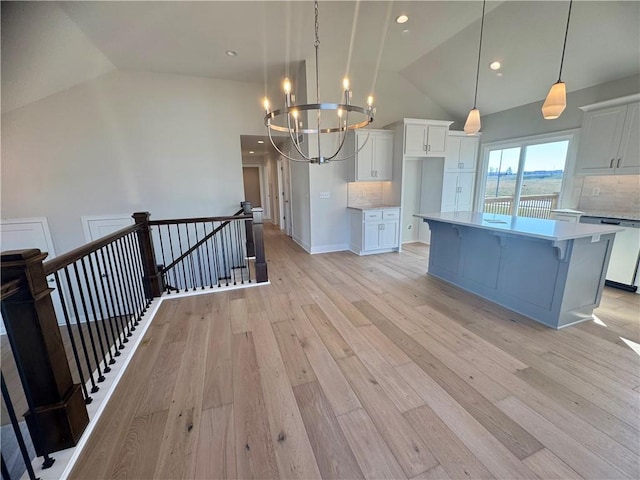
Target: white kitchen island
pixel 550 271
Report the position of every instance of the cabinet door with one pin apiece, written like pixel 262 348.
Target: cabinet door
pixel 449 192
pixel 389 235
pixel 414 140
pixel 464 202
pixel 600 140
pixel 468 153
pixel 371 236
pixel 452 157
pixel 383 157
pixel 628 161
pixel 364 157
pixel 436 140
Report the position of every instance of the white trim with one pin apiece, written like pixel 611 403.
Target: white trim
pixel 302 243
pixel 341 247
pixel 614 102
pixel 87 219
pixel 571 135
pixel 46 231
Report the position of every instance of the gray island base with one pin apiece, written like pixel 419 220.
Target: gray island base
pixel 552 272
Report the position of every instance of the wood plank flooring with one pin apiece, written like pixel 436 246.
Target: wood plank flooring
pixel 365 367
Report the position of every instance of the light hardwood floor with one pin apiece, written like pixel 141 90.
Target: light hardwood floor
pixel 365 367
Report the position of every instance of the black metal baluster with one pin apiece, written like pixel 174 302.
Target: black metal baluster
pixel 184 272
pixel 83 344
pixel 173 257
pixel 113 314
pixel 164 261
pixel 207 246
pixel 137 271
pixel 119 293
pixel 104 318
pixel 224 255
pixel 126 278
pixel 107 362
pixel 17 432
pixel 238 249
pixel 217 242
pixel 190 256
pixel 74 349
pixel 106 368
pixel 135 292
pixel 230 251
pixel 88 322
pixel 200 259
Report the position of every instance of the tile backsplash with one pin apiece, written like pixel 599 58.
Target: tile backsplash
pixel 610 193
pixel 365 194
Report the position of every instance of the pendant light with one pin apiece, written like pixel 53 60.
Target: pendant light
pixel 472 125
pixel 556 100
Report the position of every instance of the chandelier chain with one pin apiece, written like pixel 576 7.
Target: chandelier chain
pixel 566 33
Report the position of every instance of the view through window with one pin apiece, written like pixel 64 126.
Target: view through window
pixel 525 180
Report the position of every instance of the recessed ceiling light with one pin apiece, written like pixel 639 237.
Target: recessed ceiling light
pixel 260 141
pixel 251 152
pixel 402 19
pixel 232 53
pixel 495 65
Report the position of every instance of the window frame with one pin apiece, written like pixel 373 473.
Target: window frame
pixel 567 197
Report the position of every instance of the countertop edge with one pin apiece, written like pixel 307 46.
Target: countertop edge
pixel 598 230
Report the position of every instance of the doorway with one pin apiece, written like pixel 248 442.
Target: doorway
pixel 252 185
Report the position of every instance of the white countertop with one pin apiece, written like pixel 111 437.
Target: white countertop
pixel 373 207
pixel 531 227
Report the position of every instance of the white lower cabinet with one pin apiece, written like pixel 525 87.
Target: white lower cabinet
pixel 374 231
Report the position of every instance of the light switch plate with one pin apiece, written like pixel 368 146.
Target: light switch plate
pixel 325 194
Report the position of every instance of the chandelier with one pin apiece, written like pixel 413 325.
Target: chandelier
pixel 327 119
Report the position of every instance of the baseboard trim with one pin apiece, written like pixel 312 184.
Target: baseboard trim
pixel 329 248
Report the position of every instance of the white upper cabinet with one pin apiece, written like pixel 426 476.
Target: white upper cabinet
pixel 459 172
pixel 462 153
pixel 374 160
pixel 609 141
pixel 425 138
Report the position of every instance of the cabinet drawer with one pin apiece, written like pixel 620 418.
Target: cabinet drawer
pixel 372 215
pixel 390 214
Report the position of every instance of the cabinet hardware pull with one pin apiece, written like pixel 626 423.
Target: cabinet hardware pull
pixel 462 163
pixel 611 163
pixel 428 148
pixel 618 164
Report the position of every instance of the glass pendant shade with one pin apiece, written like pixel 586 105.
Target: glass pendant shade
pixel 556 101
pixel 472 125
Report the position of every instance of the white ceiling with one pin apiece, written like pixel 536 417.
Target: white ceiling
pixel 438 55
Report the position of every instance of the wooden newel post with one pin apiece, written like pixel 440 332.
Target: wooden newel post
pixel 152 279
pixel 248 227
pixel 258 238
pixel 57 414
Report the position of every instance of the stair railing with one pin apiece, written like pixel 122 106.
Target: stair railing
pixel 63 352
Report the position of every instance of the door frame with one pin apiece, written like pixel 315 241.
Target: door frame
pixel 263 198
pixel 87 219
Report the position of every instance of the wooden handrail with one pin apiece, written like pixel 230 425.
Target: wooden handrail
pixel 9 288
pixel 175 221
pixel 68 258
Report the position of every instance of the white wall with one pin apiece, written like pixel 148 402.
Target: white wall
pixel 300 207
pixel 125 142
pixel 44 52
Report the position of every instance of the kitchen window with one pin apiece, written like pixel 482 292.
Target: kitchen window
pixel 527 177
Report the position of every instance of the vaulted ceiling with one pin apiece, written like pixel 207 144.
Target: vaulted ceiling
pixel 436 50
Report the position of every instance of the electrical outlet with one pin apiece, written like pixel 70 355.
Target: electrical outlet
pixel 325 194
pixel 595 192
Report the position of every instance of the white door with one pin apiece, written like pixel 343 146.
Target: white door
pixel 95 227
pixel 21 233
pixel 465 191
